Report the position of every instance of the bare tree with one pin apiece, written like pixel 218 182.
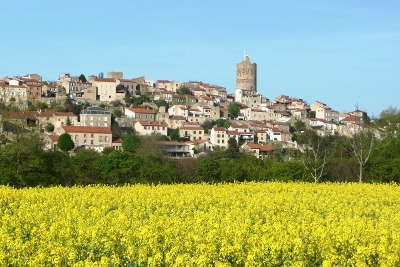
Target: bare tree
pixel 315 159
pixel 361 146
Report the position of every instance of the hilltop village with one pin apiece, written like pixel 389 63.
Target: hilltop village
pixel 190 118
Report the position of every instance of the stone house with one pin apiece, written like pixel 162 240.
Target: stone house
pixel 140 114
pixel 151 128
pixel 192 132
pixel 96 138
pixel 260 151
pixel 95 116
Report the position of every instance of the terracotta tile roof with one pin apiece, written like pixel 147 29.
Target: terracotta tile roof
pixel 207 98
pixel 232 132
pixel 187 127
pixel 219 129
pixel 117 141
pixel 198 142
pixel 142 110
pixel 239 126
pixel 87 129
pixel 177 118
pixel 108 80
pixel 153 123
pixel 261 147
pixel 54 138
pixel 352 119
pixel 198 89
pixel 173 143
pixel 46 113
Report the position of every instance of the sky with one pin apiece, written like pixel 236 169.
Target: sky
pixel 345 53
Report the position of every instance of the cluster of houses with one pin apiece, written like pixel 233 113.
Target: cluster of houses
pixel 190 108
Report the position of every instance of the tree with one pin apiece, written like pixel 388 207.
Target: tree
pixel 234 110
pixel 65 142
pixel 173 134
pixel 117 112
pixel 361 145
pixel 82 78
pixel 131 143
pixel 184 91
pixel 207 125
pixel 315 159
pixel 101 75
pixel 222 123
pixel 49 127
pixel 315 153
pixel 233 148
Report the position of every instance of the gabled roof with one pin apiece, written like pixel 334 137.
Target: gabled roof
pixel 108 80
pixel 153 123
pixel 87 129
pixel 261 147
pixel 142 110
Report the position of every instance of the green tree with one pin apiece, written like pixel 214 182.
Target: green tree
pixel 207 125
pixel 49 127
pixel 131 143
pixel 82 78
pixel 173 134
pixel 65 142
pixel 117 112
pixel 184 91
pixel 208 169
pixel 222 123
pixel 234 110
pixel 233 149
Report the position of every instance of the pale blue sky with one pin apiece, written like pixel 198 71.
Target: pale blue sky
pixel 342 52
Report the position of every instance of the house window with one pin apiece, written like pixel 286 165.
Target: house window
pixel 92 135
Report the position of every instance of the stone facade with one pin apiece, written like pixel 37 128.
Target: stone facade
pixel 95 116
pixel 246 79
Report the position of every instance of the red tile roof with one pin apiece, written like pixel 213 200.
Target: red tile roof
pixel 197 142
pixel 232 132
pixel 118 140
pixel 219 129
pixel 54 138
pixel 87 129
pixel 261 147
pixel 142 110
pixel 153 123
pixel 46 113
pixel 177 118
pixel 192 128
pixel 108 80
pixel 174 143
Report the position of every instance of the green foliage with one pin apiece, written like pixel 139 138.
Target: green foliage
pixel 131 143
pixel 184 91
pixel 207 125
pixel 208 169
pixel 117 112
pixel 173 134
pixel 137 101
pixel 49 127
pixel 233 148
pixel 65 142
pixel 222 123
pixel 82 78
pixel 234 110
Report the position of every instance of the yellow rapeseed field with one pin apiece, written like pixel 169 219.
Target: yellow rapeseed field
pixel 249 224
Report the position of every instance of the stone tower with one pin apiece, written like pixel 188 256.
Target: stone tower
pixel 246 75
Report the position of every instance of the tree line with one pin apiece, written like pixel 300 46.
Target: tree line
pixel 371 156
